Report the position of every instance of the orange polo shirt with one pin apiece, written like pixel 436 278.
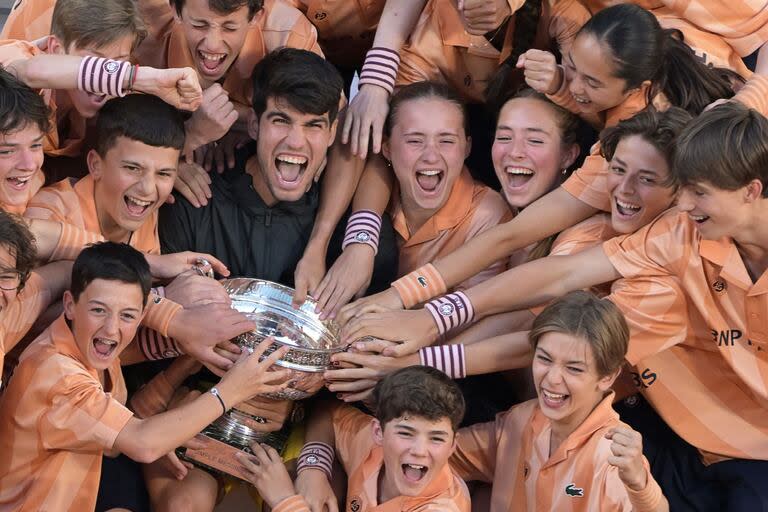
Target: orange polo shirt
pixel 54 144
pixel 28 20
pixel 440 49
pixel 707 360
pixel 363 461
pixel 56 421
pixel 512 453
pixel 471 208
pixel 277 25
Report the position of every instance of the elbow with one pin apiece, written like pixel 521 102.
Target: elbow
pixel 142 453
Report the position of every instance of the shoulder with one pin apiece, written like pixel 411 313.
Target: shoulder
pixel 13 50
pixel 488 206
pixel 53 201
pixel 281 18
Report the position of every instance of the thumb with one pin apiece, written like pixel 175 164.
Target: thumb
pixel 520 62
pixel 300 295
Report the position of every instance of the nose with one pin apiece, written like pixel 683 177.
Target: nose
pixel 554 375
pixel 111 326
pixel 685 201
pixel 431 153
pixel 147 184
pixel 295 137
pixel 518 148
pixel 213 39
pixel 419 446
pixel 576 86
pixel 626 186
pixel 28 160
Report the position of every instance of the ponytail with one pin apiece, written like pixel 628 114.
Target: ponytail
pixel 526 25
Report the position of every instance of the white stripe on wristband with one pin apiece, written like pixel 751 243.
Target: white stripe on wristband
pixel 449 359
pixel 155 346
pixel 102 76
pixel 363 227
pixel 380 68
pixel 316 456
pixel 450 311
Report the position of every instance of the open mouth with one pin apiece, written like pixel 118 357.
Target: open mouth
pixel 210 62
pixel 626 210
pixel 429 179
pixel 19 182
pixel 136 207
pixel 414 473
pixel 582 101
pixel 518 177
pixel 699 219
pixel 553 400
pixel 104 348
pixel 290 169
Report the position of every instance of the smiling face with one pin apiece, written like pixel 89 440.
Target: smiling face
pixel 214 39
pixel 528 152
pixel 427 147
pixel 566 379
pixel 104 319
pixel 717 212
pixel 21 160
pixel 638 171
pixel 131 180
pixel 291 148
pixel 589 69
pixel 415 451
pixel 9 278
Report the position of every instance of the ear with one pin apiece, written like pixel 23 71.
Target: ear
pixel 95 167
pixel 606 383
pixel 55 47
pixel 257 17
pixel 570 154
pixel 386 150
pixel 377 431
pixel 253 125
pixel 69 305
pixel 753 191
pixel 469 148
pixel 334 126
pixel 646 83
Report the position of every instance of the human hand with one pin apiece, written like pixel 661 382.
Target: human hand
pixel 211 121
pixel 314 486
pixel 191 289
pixel 388 299
pixel 483 16
pixel 220 155
pixel 192 182
pixel 541 71
pixel 364 120
pixel 179 87
pixel 266 471
pixel 309 272
pixel 412 329
pixel 627 456
pixel 272 413
pixel 168 266
pixel 355 374
pixel 251 375
pixel 349 277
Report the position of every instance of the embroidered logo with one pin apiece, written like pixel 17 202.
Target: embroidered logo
pixel 573 491
pixel 362 237
pixel 355 504
pixel 447 309
pixel 111 66
pixel 422 281
pixel 719 286
pixel 320 16
pixel 157 300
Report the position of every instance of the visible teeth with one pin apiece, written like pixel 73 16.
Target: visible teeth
pixel 19 179
pixel 416 466
pixel 430 172
pixel 212 56
pixel 519 170
pixel 580 100
pixel 699 218
pixel 301 160
pixel 138 202
pixel 553 396
pixel 106 341
pixel 628 206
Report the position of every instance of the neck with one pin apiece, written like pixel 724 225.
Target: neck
pixel 386 490
pixel 109 228
pixel 63 105
pixel 415 216
pixel 562 429
pixel 253 169
pixel 752 244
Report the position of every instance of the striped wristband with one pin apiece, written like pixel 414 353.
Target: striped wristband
pixel 102 76
pixel 419 286
pixel 363 227
pixel 316 456
pixel 450 311
pixel 155 346
pixel 380 68
pixel 449 359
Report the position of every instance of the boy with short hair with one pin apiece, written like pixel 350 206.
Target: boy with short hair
pixel 395 461
pixel 64 407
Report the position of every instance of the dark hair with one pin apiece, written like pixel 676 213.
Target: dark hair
pixel 426 89
pixel 726 146
pixel 309 83
pixel 18 239
pixel 141 117
pixel 659 129
pixel 421 391
pixel 226 6
pixel 20 105
pixel 500 87
pixel 113 262
pixel 599 322
pixel 95 24
pixel 642 50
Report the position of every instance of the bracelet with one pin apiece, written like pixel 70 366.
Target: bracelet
pixel 449 359
pixel 450 311
pixel 102 76
pixel 155 346
pixel 316 456
pixel 380 68
pixel 363 227
pixel 215 392
pixel 132 76
pixel 420 285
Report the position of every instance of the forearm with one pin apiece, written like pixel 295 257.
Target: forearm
pixel 397 21
pixel 546 216
pixel 495 325
pixel 56 277
pixel 319 427
pixel 375 186
pixel 507 352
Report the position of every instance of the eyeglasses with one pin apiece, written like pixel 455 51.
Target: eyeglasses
pixel 10 280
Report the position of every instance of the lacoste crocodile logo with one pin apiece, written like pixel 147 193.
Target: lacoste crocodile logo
pixel 573 491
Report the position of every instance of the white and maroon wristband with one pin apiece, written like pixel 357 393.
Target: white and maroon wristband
pixel 380 68
pixel 450 311
pixel 449 359
pixel 102 76
pixel 155 346
pixel 316 456
pixel 363 227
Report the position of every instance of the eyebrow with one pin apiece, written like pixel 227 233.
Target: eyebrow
pixel 570 58
pixel 621 162
pixel 100 303
pixel 441 134
pixel 528 129
pixel 575 361
pixel 277 113
pixel 13 144
pixel 132 162
pixel 411 429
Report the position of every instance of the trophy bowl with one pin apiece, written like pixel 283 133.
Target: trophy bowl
pixel 311 341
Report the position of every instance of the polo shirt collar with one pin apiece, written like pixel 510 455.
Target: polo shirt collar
pixel 724 254
pixel 455 209
pixel 85 188
pixel 453 33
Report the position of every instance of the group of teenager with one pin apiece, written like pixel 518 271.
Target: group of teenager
pixel 537 224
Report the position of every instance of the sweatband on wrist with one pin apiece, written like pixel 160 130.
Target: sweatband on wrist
pixel 449 359
pixel 102 76
pixel 71 241
pixel 160 312
pixel 450 311
pixel 420 285
pixel 154 346
pixel 363 227
pixel 380 68
pixel 316 456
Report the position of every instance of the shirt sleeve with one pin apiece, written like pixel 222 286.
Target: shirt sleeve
pixel 81 417
pixel 754 94
pixel 11 50
pixel 23 312
pixel 589 183
pixel 476 450
pixel 295 503
pixel 566 21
